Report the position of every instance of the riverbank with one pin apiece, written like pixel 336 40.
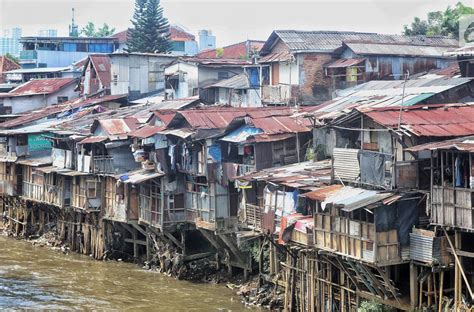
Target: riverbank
pixel 198 272
pixel 36 278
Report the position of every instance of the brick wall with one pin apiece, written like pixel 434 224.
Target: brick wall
pixel 315 87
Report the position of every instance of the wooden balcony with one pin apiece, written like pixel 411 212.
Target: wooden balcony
pixel 356 239
pixel 103 165
pixel 33 191
pixel 452 207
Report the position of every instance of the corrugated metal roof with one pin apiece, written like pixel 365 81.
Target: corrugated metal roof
pixel 40 86
pixel 54 110
pixel 282 124
pixel 101 63
pixel 115 126
pixel 241 134
pixel 322 193
pixel 139 176
pixel 429 120
pixel 234 51
pixel 328 41
pixel 240 81
pixel 146 131
pixel 176 104
pixel 382 93
pixel 281 56
pixel 217 61
pixel 461 144
pixel 93 139
pixel 343 63
pixel 362 48
pixel 352 198
pixel 181 133
pixel 35 161
pixel 306 174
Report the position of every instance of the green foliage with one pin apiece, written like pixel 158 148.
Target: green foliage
pixel 150 32
pixel 90 31
pixel 12 58
pixel 253 248
pixel 439 23
pixel 374 306
pixel 219 52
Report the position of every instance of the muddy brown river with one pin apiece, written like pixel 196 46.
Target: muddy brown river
pixel 41 279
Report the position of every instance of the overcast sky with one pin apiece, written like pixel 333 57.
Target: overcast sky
pixel 231 21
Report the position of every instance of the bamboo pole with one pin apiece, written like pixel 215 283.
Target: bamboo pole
pixel 441 283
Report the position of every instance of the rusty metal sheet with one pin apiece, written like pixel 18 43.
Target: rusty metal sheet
pixel 322 193
pixel 268 222
pixel 93 139
pixel 41 86
pixel 446 120
pixel 343 63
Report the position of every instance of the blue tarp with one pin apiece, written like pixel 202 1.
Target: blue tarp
pixel 241 134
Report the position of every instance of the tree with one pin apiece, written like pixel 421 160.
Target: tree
pixel 12 58
pixel 90 31
pixel 439 23
pixel 150 32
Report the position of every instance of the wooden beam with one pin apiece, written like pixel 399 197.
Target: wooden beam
pixel 135 241
pixel 198 256
pixel 138 227
pixel 174 240
pixel 458 262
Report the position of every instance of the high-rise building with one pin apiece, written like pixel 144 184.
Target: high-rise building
pixel 48 33
pixel 10 42
pixel 206 40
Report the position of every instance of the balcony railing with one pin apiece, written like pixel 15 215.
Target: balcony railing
pixel 33 191
pixel 103 164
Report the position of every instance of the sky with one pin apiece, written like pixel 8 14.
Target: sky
pixel 231 21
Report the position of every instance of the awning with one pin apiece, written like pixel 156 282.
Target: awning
pixel 241 134
pixel 322 193
pixel 344 63
pixel 350 198
pixel 71 173
pixel 93 139
pixel 47 169
pixel 146 132
pixel 35 162
pixel 182 133
pixel 466 145
pixel 136 177
pixel 8 158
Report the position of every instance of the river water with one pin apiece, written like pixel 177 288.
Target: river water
pixel 41 279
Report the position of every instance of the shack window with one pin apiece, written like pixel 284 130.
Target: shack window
pixel 91 189
pixel 62 99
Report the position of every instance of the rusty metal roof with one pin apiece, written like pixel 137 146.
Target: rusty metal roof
pixel 282 124
pixel 93 139
pixel 115 126
pixel 101 64
pixel 281 56
pixel 307 175
pixel 461 144
pixel 55 110
pixel 343 63
pixel 40 86
pixel 221 117
pixel 322 193
pixel 447 120
pixel 146 131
